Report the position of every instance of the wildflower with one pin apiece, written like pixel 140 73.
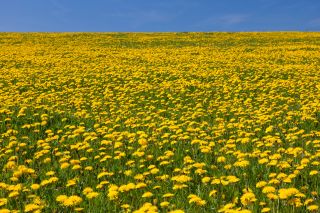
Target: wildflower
pixel 139 177
pixel 76 167
pixel 313 208
pixel 147 207
pixel 272 196
pixel 64 165
pixel 221 159
pixel 3 201
pixel 140 185
pixel 242 163
pixel 197 200
pixel 268 189
pixel 181 178
pixel 286 193
pixel 143 141
pixel 113 195
pixel 269 129
pixel 87 190
pixel 72 201
pixel 154 171
pixel 164 204
pixel 61 198
pixel 213 193
pixel 147 194
pixel 14 194
pixel 168 195
pixel 261 184
pixel 35 186
pixel 88 168
pixel 31 207
pixel 248 198
pixel 125 206
pixel 91 195
pixel 177 211
pixel 71 182
pixel 50 173
pixel 313 172
pixel 227 207
pixel 179 186
pixel 113 192
pixel 205 179
pixel 233 179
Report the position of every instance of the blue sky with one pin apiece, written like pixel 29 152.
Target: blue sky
pixel 158 15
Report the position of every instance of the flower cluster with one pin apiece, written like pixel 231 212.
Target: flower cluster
pixel 160 122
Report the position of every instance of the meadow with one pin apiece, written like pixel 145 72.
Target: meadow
pixel 160 122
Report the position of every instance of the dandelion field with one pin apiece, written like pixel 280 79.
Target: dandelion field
pixel 160 122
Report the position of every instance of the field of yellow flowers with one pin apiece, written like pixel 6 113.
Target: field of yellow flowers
pixel 160 122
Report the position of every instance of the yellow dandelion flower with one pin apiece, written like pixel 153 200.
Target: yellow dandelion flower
pixel 181 178
pixel 92 195
pixel 64 165
pixel 167 195
pixel 286 193
pixel 197 200
pixel 248 198
pixel 177 211
pixel 61 198
pixel 14 194
pixel 212 193
pixel 221 159
pixel 205 179
pixel 140 185
pixel 125 206
pixel 164 204
pixel 88 168
pixel 268 189
pixel 313 172
pixel 265 209
pixel 71 182
pixel 35 186
pixel 87 190
pixel 261 184
pixel 313 208
pixel 72 201
pixel 113 195
pixel 272 196
pixel 50 173
pixel 31 207
pixel 147 194
pixel 76 167
pixel 3 201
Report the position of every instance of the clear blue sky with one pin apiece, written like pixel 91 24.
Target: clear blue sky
pixel 159 15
